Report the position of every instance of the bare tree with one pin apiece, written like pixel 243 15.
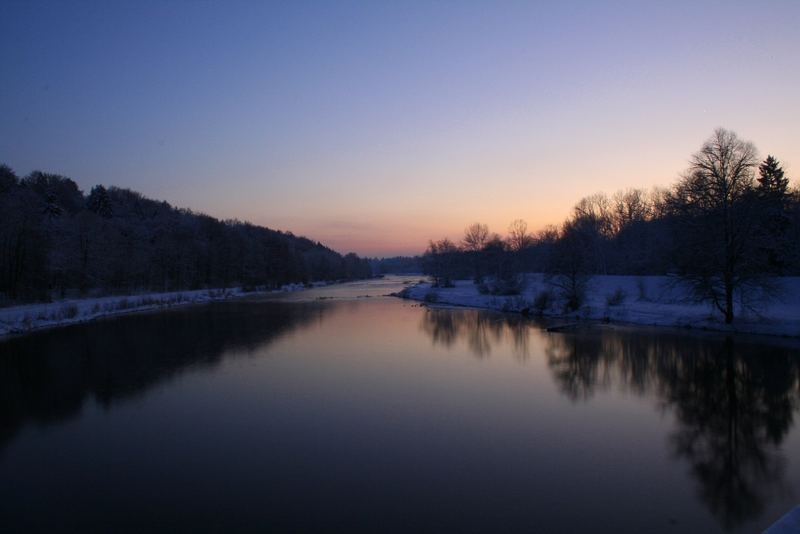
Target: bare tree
pixel 596 210
pixel 518 236
pixel 475 237
pixel 660 202
pixel 714 210
pixel 629 207
pixel 548 234
pixel 592 225
pixel 440 261
pixel 569 266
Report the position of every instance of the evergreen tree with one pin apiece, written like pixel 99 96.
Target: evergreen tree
pixel 99 203
pixel 51 207
pixel 771 179
pixel 7 178
pixel 774 198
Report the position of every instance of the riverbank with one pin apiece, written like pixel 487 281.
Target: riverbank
pixel 30 317
pixel 641 300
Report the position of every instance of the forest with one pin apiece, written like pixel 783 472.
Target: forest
pixel 730 223
pixel 57 242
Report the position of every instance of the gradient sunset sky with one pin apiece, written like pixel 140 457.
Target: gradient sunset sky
pixel 374 126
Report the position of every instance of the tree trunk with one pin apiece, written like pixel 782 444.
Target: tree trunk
pixel 728 300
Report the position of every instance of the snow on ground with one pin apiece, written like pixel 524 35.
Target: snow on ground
pixel 645 300
pixel 19 319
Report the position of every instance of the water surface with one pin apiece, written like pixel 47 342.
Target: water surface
pixel 340 410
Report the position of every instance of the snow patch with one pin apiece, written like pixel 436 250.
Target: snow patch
pixel 20 319
pixel 644 300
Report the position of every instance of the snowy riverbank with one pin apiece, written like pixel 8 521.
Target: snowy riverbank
pixel 644 300
pixel 29 317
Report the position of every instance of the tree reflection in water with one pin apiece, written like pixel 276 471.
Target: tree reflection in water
pixel 733 399
pixel 479 329
pixel 734 409
pixel 122 358
pixel 733 402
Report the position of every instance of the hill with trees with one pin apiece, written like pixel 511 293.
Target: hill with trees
pixel 56 241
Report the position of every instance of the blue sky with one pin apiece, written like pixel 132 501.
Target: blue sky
pixel 375 126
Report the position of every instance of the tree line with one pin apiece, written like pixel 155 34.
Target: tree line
pixel 726 227
pixel 396 265
pixel 56 241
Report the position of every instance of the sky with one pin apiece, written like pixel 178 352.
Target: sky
pixel 376 126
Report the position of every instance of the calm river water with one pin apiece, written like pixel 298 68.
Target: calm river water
pixel 337 409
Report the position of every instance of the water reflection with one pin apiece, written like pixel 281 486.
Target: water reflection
pixel 733 400
pixel 48 377
pixel 323 419
pixel 734 406
pixel 480 330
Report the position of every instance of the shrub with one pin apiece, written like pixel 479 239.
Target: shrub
pixel 432 297
pixel 508 287
pixel 542 301
pixel 517 304
pixel 616 298
pixel 69 311
pixel 572 289
pixel 642 289
pixel 502 287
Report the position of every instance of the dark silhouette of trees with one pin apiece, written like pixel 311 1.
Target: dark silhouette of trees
pixel 474 241
pixel 570 264
pixel 397 265
pixel 55 242
pixel 721 230
pixel 716 214
pixel 629 208
pixel 518 236
pixel 771 179
pixel 475 237
pixel 774 205
pixel 99 203
pixel 441 262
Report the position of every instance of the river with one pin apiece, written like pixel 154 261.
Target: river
pixel 340 409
